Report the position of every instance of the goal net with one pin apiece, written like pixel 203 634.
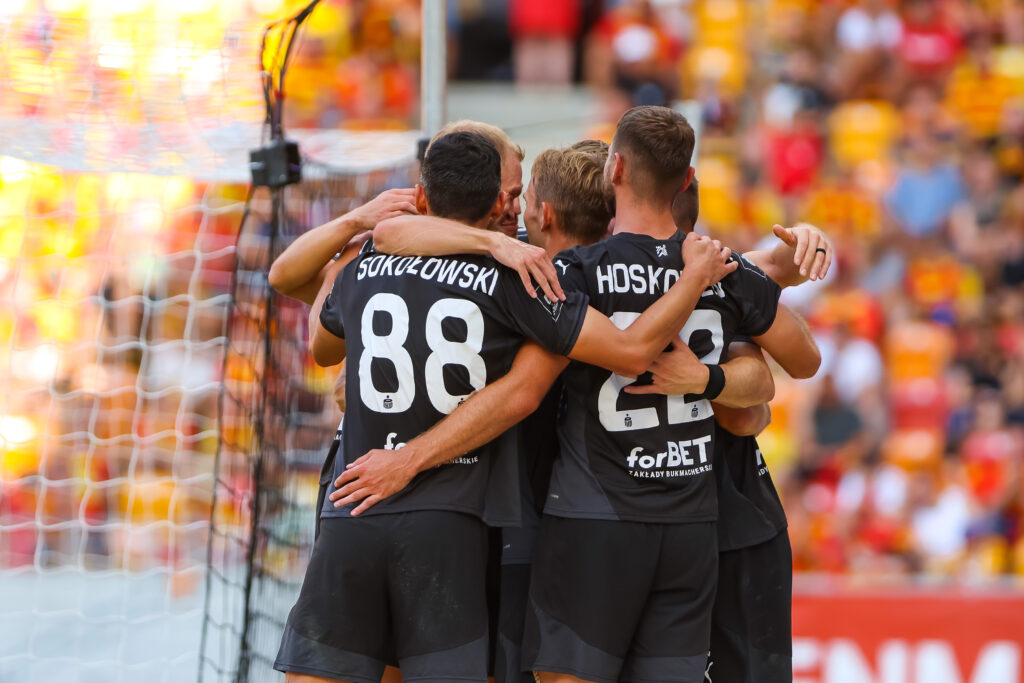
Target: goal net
pixel 162 427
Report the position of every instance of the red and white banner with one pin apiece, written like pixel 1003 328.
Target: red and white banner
pixel 908 636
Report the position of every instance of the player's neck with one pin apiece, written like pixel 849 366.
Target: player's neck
pixel 642 218
pixel 557 243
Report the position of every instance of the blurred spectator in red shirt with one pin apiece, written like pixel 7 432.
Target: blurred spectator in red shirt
pixel 929 43
pixel 992 452
pixel 543 32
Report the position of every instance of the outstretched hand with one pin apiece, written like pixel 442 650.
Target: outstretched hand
pixel 807 246
pixel 530 262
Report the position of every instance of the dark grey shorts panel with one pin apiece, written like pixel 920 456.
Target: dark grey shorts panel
pixel 303 655
pixel 462 663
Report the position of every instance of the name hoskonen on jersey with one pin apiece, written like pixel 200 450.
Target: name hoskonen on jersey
pixel 647 458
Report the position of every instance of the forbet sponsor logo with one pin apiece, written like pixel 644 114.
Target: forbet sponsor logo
pixel 679 459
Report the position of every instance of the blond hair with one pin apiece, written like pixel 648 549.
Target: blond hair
pixel 496 136
pixel 572 182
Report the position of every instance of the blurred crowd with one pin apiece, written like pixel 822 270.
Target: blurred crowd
pixel 895 125
pixel 898 127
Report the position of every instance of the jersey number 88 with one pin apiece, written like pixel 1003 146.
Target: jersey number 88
pixel 391 346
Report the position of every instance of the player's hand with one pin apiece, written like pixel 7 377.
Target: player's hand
pixel 807 248
pixel 372 478
pixel 387 204
pixel 339 387
pixel 708 256
pixel 530 262
pixel 675 372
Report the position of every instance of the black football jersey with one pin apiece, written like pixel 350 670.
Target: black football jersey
pixel 422 334
pixel 538 449
pixel 646 458
pixel 750 512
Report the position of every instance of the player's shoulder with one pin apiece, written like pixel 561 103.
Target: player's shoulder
pixel 595 252
pixel 748 266
pixel 748 276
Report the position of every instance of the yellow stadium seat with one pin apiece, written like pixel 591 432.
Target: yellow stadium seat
pixel 862 130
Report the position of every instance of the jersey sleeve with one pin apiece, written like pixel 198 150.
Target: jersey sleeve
pixel 570 271
pixel 758 297
pixel 554 325
pixel 330 313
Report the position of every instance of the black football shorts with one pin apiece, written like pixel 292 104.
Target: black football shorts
pixel 404 588
pixel 751 625
pixel 618 601
pixel 515 590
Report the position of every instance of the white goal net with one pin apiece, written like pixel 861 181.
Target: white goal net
pixel 140 346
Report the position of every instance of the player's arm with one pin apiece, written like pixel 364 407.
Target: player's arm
pixel 302 268
pixel 803 253
pixel 481 418
pixel 790 343
pixel 326 346
pixel 743 421
pixel 433 236
pixel 748 379
pixel 631 351
pixel 339 386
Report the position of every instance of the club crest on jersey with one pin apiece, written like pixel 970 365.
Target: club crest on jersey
pixel 661 250
pixel 554 308
pixel 388 403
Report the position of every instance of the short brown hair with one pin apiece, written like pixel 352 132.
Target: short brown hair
pixel 657 144
pixel 572 181
pixel 496 136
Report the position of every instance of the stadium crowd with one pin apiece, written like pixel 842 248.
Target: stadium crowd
pixel 898 127
pixel 895 125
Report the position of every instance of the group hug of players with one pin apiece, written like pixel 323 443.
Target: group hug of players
pixel 547 465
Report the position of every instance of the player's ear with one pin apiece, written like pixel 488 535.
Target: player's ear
pixel 421 201
pixel 548 219
pixel 618 169
pixel 688 180
pixel 499 205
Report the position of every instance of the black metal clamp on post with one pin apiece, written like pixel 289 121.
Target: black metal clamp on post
pixel 277 163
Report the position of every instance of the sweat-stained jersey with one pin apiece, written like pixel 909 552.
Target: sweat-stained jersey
pixel 646 458
pixel 422 334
